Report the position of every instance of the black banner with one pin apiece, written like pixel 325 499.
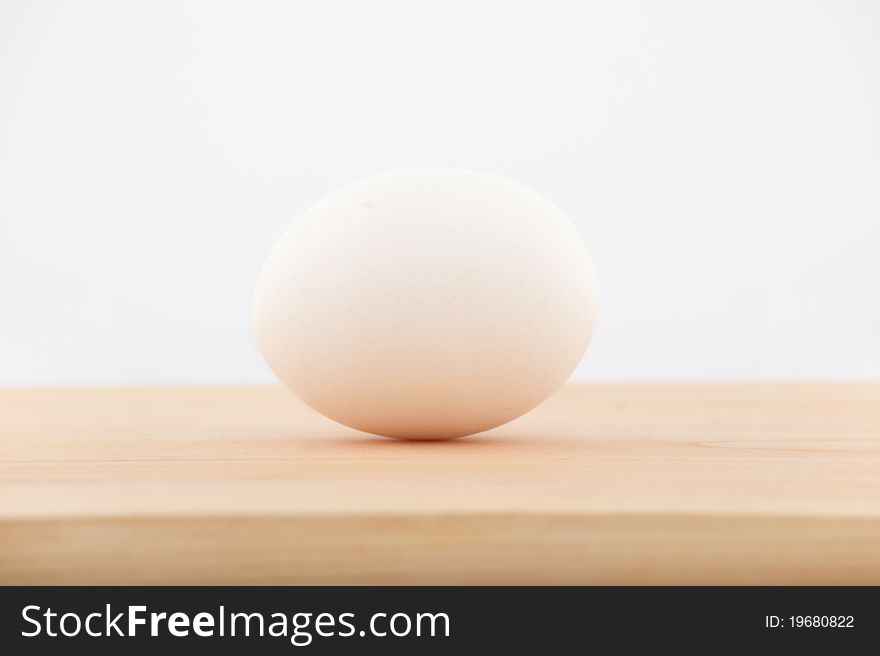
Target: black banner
pixel 433 620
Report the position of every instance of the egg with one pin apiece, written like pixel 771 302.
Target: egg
pixel 426 303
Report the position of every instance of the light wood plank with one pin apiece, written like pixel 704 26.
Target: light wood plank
pixel 602 484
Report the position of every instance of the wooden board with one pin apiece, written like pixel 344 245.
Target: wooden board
pixel 602 484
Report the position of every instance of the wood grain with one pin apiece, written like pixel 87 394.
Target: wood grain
pixel 601 484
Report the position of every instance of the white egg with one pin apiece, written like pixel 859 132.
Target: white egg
pixel 426 303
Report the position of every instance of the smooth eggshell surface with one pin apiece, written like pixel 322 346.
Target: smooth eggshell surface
pixel 426 303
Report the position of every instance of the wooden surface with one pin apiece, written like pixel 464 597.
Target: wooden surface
pixel 602 484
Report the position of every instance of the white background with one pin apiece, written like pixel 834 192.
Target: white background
pixel 722 159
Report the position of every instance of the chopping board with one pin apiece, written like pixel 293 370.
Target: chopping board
pixel 602 484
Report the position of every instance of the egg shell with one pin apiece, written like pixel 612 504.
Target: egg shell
pixel 426 303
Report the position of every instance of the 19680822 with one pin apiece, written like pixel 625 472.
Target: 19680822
pixel 822 621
